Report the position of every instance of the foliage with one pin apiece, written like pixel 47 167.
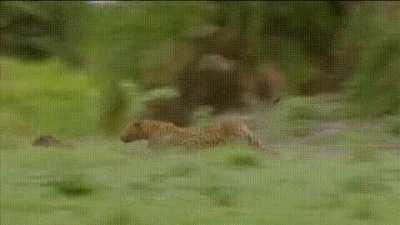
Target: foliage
pixel 36 31
pixel 121 42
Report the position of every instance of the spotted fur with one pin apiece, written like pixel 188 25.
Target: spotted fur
pixel 160 133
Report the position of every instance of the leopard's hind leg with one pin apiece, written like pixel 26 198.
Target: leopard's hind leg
pixel 255 141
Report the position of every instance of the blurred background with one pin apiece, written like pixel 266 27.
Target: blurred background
pixel 318 80
pixel 73 68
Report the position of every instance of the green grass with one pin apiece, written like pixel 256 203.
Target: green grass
pixel 302 116
pixel 107 182
pixel 47 98
pixel 331 170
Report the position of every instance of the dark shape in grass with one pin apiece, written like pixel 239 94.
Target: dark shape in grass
pixel 73 189
pixel 72 186
pixel 243 160
pixel 48 141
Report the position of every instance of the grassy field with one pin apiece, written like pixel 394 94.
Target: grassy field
pixel 107 182
pixel 332 169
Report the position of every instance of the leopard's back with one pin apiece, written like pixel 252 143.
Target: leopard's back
pixel 200 138
pixel 164 134
pixel 191 138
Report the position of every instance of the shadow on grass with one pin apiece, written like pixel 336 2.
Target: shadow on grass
pixel 242 160
pixel 71 185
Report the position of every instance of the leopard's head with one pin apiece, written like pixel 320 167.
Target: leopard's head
pixel 133 131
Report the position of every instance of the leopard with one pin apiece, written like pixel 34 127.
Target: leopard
pixel 166 134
